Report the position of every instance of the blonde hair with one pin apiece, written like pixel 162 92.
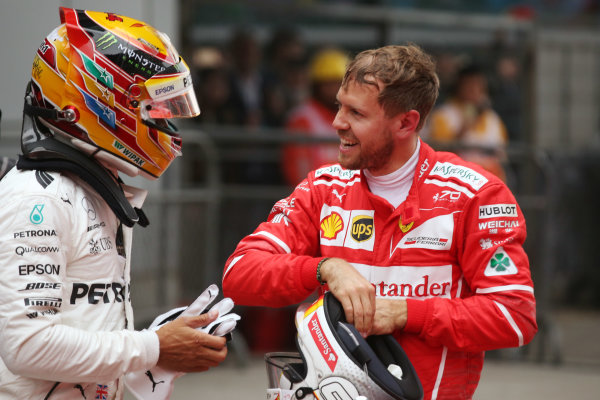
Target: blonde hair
pixel 408 76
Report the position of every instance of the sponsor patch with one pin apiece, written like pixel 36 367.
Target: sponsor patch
pixel 96 293
pixel 447 195
pixel 362 228
pixel 41 285
pixel 498 210
pixel 405 228
pixel 35 233
pixel 54 302
pixel 167 87
pixel 128 153
pixel 408 281
pixel 501 224
pixel 332 225
pixel 100 245
pixel 433 234
pixel 336 171
pixel 39 269
pixel 489 243
pixel 464 174
pixel 353 229
pixel 21 250
pixel 500 264
pixel 36 217
pixel 327 352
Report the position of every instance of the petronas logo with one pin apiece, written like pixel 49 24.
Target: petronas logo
pixel 106 40
pixel 36 216
pixel 500 264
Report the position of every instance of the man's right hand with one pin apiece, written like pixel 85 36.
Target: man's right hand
pixel 185 349
pixel 356 294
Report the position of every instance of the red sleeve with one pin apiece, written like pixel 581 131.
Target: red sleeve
pixel 266 268
pixel 495 306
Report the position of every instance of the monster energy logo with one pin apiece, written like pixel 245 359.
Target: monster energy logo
pixel 106 40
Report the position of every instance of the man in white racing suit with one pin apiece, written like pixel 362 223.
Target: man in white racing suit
pixel 90 113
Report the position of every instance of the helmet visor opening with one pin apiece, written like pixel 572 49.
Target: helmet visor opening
pixel 182 105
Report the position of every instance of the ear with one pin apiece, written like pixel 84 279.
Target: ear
pixel 406 123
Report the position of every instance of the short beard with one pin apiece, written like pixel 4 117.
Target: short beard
pixel 373 159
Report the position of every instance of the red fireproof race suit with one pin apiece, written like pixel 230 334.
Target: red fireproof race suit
pixel 453 250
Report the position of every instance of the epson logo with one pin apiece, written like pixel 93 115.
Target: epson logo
pixel 35 233
pixel 41 285
pixel 498 210
pixel 43 301
pixel 39 269
pixel 164 90
pixel 106 292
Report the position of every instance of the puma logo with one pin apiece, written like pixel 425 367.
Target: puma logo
pixel 339 196
pixel 154 383
pixel 78 386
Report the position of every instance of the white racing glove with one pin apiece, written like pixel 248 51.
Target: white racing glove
pixel 157 383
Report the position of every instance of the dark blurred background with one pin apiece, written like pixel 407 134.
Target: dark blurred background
pixel 264 72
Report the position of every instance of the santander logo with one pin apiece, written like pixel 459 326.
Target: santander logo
pixel 322 343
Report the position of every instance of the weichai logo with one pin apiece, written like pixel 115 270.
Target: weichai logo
pixel 332 225
pixel 327 352
pixel 362 228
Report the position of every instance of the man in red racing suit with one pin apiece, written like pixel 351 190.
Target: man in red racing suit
pixel 451 253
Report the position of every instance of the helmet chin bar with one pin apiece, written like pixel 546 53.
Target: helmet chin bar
pixel 163 125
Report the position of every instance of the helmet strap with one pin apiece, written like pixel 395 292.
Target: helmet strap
pixel 49 154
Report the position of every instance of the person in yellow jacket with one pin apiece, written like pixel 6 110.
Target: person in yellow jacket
pixel 467 124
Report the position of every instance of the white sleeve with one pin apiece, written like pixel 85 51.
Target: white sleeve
pixel 36 342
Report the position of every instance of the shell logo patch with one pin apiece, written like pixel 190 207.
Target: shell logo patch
pixel 332 225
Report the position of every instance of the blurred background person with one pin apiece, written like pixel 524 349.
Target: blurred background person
pixel 315 116
pixel 506 89
pixel 214 93
pixel 286 78
pixel 246 78
pixel 467 124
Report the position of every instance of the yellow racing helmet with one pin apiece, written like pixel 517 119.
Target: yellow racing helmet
pixel 328 65
pixel 110 85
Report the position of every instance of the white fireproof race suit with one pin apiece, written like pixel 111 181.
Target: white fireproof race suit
pixel 65 311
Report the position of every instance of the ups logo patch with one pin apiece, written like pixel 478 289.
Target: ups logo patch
pixel 362 228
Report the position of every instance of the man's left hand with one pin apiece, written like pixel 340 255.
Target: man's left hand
pixel 390 316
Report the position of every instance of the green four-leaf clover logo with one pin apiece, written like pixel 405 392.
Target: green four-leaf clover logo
pixel 500 262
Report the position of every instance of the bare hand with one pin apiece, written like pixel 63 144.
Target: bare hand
pixel 390 315
pixel 356 294
pixel 185 349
